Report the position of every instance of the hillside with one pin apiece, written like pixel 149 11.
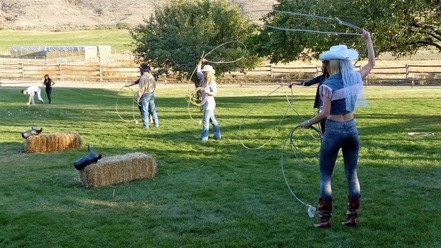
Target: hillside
pixel 59 15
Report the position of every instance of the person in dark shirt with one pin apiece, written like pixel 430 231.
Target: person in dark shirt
pixel 48 82
pixel 317 80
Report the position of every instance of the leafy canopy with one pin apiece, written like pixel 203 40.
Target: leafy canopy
pixel 397 26
pixel 175 38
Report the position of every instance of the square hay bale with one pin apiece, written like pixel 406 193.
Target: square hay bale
pixel 118 169
pixel 56 142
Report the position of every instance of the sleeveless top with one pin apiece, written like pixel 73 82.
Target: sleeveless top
pixel 333 88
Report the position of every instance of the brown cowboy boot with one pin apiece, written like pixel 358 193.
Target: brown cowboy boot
pixel 324 210
pixel 352 213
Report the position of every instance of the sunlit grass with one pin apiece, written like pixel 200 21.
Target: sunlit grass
pixel 218 193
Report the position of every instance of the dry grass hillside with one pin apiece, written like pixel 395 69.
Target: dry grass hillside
pixel 67 15
pixel 61 15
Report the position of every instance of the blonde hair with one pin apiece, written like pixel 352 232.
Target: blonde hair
pixel 209 78
pixel 334 67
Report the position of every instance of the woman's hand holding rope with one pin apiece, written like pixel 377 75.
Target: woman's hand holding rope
pixel 293 83
pixel 306 124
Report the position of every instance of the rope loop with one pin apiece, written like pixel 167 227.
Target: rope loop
pixel 133 105
pixel 335 19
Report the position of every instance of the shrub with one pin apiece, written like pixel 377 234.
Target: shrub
pixel 123 25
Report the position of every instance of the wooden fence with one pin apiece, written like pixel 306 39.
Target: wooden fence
pixel 101 72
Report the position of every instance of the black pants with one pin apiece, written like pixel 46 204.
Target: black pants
pixel 48 93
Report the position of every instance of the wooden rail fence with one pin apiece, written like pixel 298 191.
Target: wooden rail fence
pixel 98 72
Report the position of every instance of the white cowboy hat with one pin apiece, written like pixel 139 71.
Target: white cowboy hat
pixel 208 68
pixel 339 52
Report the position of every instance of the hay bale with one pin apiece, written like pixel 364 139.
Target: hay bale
pixel 118 169
pixel 56 142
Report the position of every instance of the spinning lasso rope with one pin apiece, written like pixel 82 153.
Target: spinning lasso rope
pixel 225 62
pixel 133 105
pixel 299 30
pixel 290 100
pixel 276 129
pixel 335 19
pixel 192 98
pixel 332 19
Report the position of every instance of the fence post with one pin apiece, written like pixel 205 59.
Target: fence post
pixel 22 70
pixel 407 71
pixel 101 72
pixel 61 71
pixel 271 70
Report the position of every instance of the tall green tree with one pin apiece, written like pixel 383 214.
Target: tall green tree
pixel 397 26
pixel 178 35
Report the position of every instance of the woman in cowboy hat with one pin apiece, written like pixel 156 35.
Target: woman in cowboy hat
pixel 209 91
pixel 341 93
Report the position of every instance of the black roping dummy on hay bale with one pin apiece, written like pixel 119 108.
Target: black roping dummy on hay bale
pixel 86 159
pixel 118 169
pixel 31 132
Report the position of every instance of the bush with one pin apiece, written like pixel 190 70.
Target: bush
pixel 123 25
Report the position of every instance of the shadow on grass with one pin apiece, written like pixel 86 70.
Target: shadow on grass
pixel 213 193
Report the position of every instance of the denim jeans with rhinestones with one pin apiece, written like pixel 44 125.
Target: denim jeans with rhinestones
pixel 344 136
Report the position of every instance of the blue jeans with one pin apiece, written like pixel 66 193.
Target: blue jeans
pixel 147 106
pixel 338 135
pixel 209 117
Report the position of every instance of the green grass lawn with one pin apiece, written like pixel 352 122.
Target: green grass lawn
pixel 217 193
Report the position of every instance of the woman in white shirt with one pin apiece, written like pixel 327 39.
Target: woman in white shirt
pixel 209 91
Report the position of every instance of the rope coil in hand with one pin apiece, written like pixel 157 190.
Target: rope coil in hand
pixel 194 96
pixel 316 135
